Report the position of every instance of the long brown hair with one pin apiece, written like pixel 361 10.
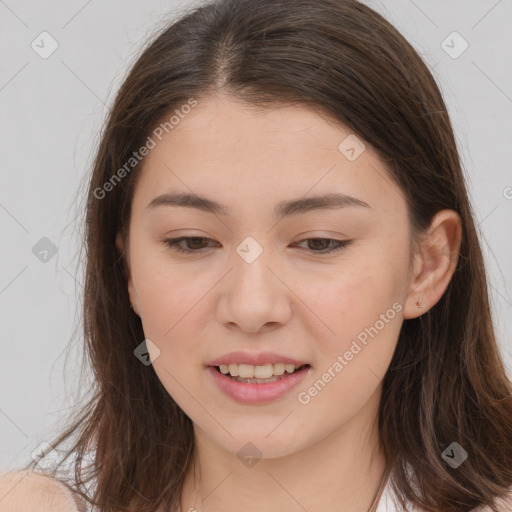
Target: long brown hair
pixel 446 382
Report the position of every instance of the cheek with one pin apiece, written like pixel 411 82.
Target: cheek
pixel 172 317
pixel 360 304
pixel 363 313
pixel 349 302
pixel 172 313
pixel 166 292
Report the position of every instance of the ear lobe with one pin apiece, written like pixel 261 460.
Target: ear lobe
pixel 119 242
pixel 435 263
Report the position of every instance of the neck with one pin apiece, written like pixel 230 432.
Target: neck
pixel 341 472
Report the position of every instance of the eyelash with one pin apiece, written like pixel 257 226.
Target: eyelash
pixel 172 243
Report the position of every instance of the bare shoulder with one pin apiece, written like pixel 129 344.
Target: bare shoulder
pixel 26 491
pixel 503 504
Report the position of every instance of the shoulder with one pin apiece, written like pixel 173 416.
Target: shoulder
pixel 502 505
pixel 26 491
pixel 505 504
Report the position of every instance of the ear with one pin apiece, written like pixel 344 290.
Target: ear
pixel 131 289
pixel 434 263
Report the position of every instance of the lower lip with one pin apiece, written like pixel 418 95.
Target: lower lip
pixel 254 393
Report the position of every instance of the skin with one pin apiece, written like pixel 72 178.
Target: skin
pixel 291 300
pixel 22 491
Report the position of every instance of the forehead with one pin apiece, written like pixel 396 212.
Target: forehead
pixel 227 127
pixel 228 149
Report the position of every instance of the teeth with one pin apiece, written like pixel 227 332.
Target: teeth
pixel 279 368
pixel 263 372
pixel 249 371
pixel 246 371
pixel 290 368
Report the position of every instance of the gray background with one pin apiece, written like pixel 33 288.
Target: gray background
pixel 52 109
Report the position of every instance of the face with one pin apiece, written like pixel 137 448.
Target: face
pixel 267 274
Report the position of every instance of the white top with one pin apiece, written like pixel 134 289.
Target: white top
pixel 386 503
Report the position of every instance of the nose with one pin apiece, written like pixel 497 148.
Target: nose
pixel 255 295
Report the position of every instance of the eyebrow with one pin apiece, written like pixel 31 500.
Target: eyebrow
pixel 282 209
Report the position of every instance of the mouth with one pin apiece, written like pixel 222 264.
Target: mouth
pixel 263 374
pixel 256 385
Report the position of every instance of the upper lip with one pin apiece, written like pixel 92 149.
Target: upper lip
pixel 258 359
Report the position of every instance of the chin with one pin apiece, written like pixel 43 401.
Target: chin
pixel 258 444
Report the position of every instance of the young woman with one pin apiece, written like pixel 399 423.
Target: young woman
pixel 285 302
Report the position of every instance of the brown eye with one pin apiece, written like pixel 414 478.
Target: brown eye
pixel 325 245
pixel 196 242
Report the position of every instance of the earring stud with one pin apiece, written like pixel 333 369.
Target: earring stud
pixel 419 303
